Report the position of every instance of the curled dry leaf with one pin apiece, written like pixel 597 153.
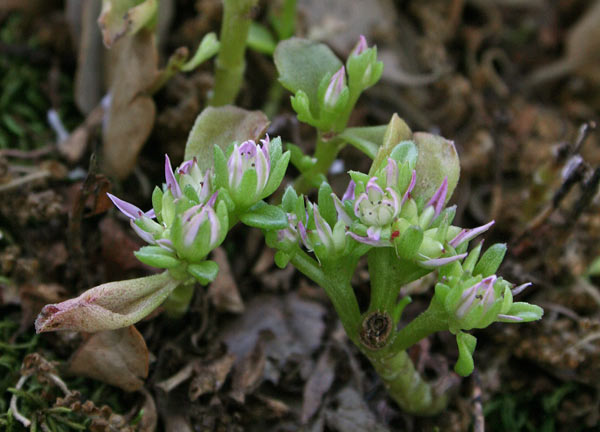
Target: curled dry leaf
pixel 116 357
pixel 223 291
pixel 210 378
pixel 108 306
pixel 121 17
pixel 248 373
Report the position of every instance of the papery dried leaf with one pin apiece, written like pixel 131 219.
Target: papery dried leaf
pixel 109 306
pixel 116 357
pixel 131 114
pixel 248 373
pixel 352 414
pixel 120 17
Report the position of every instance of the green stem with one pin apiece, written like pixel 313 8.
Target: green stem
pixel 384 290
pixel 335 280
pixel 433 319
pixel 230 63
pixel 325 154
pixel 405 385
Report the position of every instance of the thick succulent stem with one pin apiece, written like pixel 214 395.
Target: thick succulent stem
pixel 230 63
pixel 405 385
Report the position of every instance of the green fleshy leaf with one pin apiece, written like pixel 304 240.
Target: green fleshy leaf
pixel 396 132
pixel 490 260
pixel 277 173
pixel 471 259
pixel 190 193
pixel 265 216
pixel 281 259
pixel 221 171
pixel 157 195
pixel 527 312
pixel 326 206
pixel 408 244
pixel 366 139
pixel 302 64
pixel 221 126
pixel 466 346
pixel 205 271
pixel 208 47
pixel 260 39
pixel 245 194
pixel 288 202
pixel 301 105
pixel 156 256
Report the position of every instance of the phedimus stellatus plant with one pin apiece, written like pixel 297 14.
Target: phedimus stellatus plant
pixel 396 215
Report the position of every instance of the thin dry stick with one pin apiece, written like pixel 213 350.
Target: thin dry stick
pixel 13 404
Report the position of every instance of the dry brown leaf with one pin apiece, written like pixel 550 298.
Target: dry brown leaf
pixel 149 417
pixel 352 414
pixel 88 77
pixel 116 357
pixel 211 378
pixel 224 291
pixel 318 384
pixel 133 68
pixel 248 373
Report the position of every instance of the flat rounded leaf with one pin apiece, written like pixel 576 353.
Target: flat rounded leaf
pixel 265 216
pixel 205 271
pixel 437 160
pixel 221 126
pixel 302 64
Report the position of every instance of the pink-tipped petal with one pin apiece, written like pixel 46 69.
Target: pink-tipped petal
pixel 439 198
pixel 468 234
pixel 520 288
pixel 170 178
pixel 341 211
pixel 144 235
pixel 191 228
pixel 304 236
pixel 129 210
pixel 212 200
pixel 438 262
pixel 166 244
pixel 391 173
pixel 349 194
pixel 510 318
pixel 360 46
pixel 367 240
pixel 411 185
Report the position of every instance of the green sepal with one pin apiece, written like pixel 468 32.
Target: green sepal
pixel 168 208
pixel 265 216
pixel 204 272
pixel 290 197
pixel 326 206
pixel 471 259
pixel 490 260
pixel 281 259
pixel 275 150
pixel 190 193
pixel 527 312
pixel 448 213
pixel 466 346
pixel 301 105
pixel 359 178
pixel 277 174
pixel 155 256
pixel 363 70
pixel 157 196
pixel 408 244
pixel 221 172
pixel 244 195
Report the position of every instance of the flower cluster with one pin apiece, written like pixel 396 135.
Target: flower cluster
pixel 338 91
pixel 192 211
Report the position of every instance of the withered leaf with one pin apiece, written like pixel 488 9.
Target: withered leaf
pixel 352 414
pixel 318 384
pixel 116 357
pixel 223 292
pixel 133 68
